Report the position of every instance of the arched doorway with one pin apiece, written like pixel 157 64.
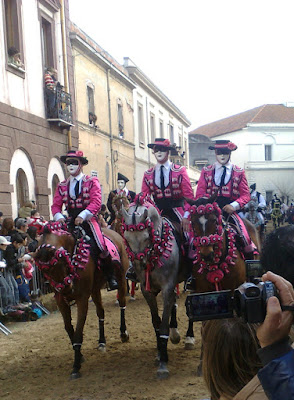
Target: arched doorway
pixel 55 175
pixel 22 179
pixel 22 188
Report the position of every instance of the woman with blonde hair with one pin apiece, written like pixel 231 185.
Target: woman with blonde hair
pixel 230 361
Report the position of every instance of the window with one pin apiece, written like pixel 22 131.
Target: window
pixel 14 48
pixel 152 127
pixel 268 152
pixel 120 119
pixel 161 128
pixel 141 124
pixel 91 106
pixel 47 42
pixel 171 134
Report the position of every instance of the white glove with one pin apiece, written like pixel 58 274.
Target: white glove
pixel 2 264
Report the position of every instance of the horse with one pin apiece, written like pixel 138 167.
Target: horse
pixel 153 249
pixel 218 264
pixel 118 201
pixel 74 275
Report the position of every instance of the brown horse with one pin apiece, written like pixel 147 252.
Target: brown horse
pixel 218 264
pixel 74 276
pixel 118 201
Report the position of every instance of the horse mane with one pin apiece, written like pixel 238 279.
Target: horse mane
pixel 202 200
pixel 278 252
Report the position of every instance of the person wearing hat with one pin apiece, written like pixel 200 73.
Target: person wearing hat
pixel 230 182
pixel 254 194
pixel 168 184
pixel 122 190
pixel 6 294
pixel 81 196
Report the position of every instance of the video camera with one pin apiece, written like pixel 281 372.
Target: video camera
pixel 248 302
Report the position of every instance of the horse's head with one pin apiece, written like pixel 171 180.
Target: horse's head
pixel 205 220
pixel 139 222
pixel 118 201
pixel 52 258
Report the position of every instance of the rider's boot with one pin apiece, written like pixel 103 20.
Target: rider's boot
pixel 131 273
pixel 190 283
pixel 108 271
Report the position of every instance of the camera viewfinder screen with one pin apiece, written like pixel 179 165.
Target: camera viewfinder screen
pixel 254 268
pixel 211 305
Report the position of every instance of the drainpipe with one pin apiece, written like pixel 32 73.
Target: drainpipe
pixel 147 125
pixel 65 67
pixel 110 129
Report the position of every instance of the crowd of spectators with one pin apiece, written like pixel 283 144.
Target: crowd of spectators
pixel 18 238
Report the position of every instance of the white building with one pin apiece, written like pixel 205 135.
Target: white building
pixel 156 116
pixel 265 140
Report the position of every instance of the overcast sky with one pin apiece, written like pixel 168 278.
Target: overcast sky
pixel 211 58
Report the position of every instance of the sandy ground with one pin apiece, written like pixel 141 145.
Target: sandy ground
pixel 36 359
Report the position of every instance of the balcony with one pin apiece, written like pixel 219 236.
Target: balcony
pixel 58 107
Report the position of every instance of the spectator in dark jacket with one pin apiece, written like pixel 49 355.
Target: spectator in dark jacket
pixel 13 264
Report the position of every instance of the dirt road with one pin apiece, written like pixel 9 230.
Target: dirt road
pixel 36 359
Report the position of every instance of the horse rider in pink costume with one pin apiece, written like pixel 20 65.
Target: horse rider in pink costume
pixel 231 184
pixel 81 195
pixel 168 184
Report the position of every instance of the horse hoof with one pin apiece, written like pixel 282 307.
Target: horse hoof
pixel 162 372
pixel 157 360
pixel 116 303
pixel 102 347
pixel 189 343
pixel 75 375
pixel 132 298
pixel 125 337
pixel 199 370
pixel 174 335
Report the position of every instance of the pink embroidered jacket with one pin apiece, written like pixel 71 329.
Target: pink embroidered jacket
pixel 89 198
pixel 236 189
pixel 179 187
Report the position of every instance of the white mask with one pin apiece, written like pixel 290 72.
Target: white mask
pixel 161 156
pixel 121 184
pixel 222 158
pixel 74 169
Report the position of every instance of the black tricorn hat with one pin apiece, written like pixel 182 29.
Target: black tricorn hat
pixel 161 142
pixel 75 154
pixel 253 186
pixel 223 144
pixel 121 177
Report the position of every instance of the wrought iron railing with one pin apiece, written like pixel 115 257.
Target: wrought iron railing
pixel 59 106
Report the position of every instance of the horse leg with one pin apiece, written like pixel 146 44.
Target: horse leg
pixel 156 320
pixel 169 299
pixel 190 339
pixel 173 326
pixel 122 289
pixel 65 311
pixel 82 306
pixel 96 296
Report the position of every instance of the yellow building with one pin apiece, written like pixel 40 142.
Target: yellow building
pixel 104 102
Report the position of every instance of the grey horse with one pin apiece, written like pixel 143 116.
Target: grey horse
pixel 141 225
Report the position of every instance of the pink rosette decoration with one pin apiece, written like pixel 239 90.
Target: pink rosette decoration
pixel 229 259
pixel 59 286
pixel 215 276
pixel 209 208
pixel 141 226
pixel 231 252
pixel 193 210
pixel 204 241
pixel 219 230
pixel 131 228
pixel 79 153
pixel 231 146
pixel 140 256
pixel 201 209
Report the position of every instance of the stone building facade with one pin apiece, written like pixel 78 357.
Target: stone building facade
pixel 104 97
pixel 31 143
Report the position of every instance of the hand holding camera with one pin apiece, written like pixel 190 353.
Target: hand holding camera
pixel 277 323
